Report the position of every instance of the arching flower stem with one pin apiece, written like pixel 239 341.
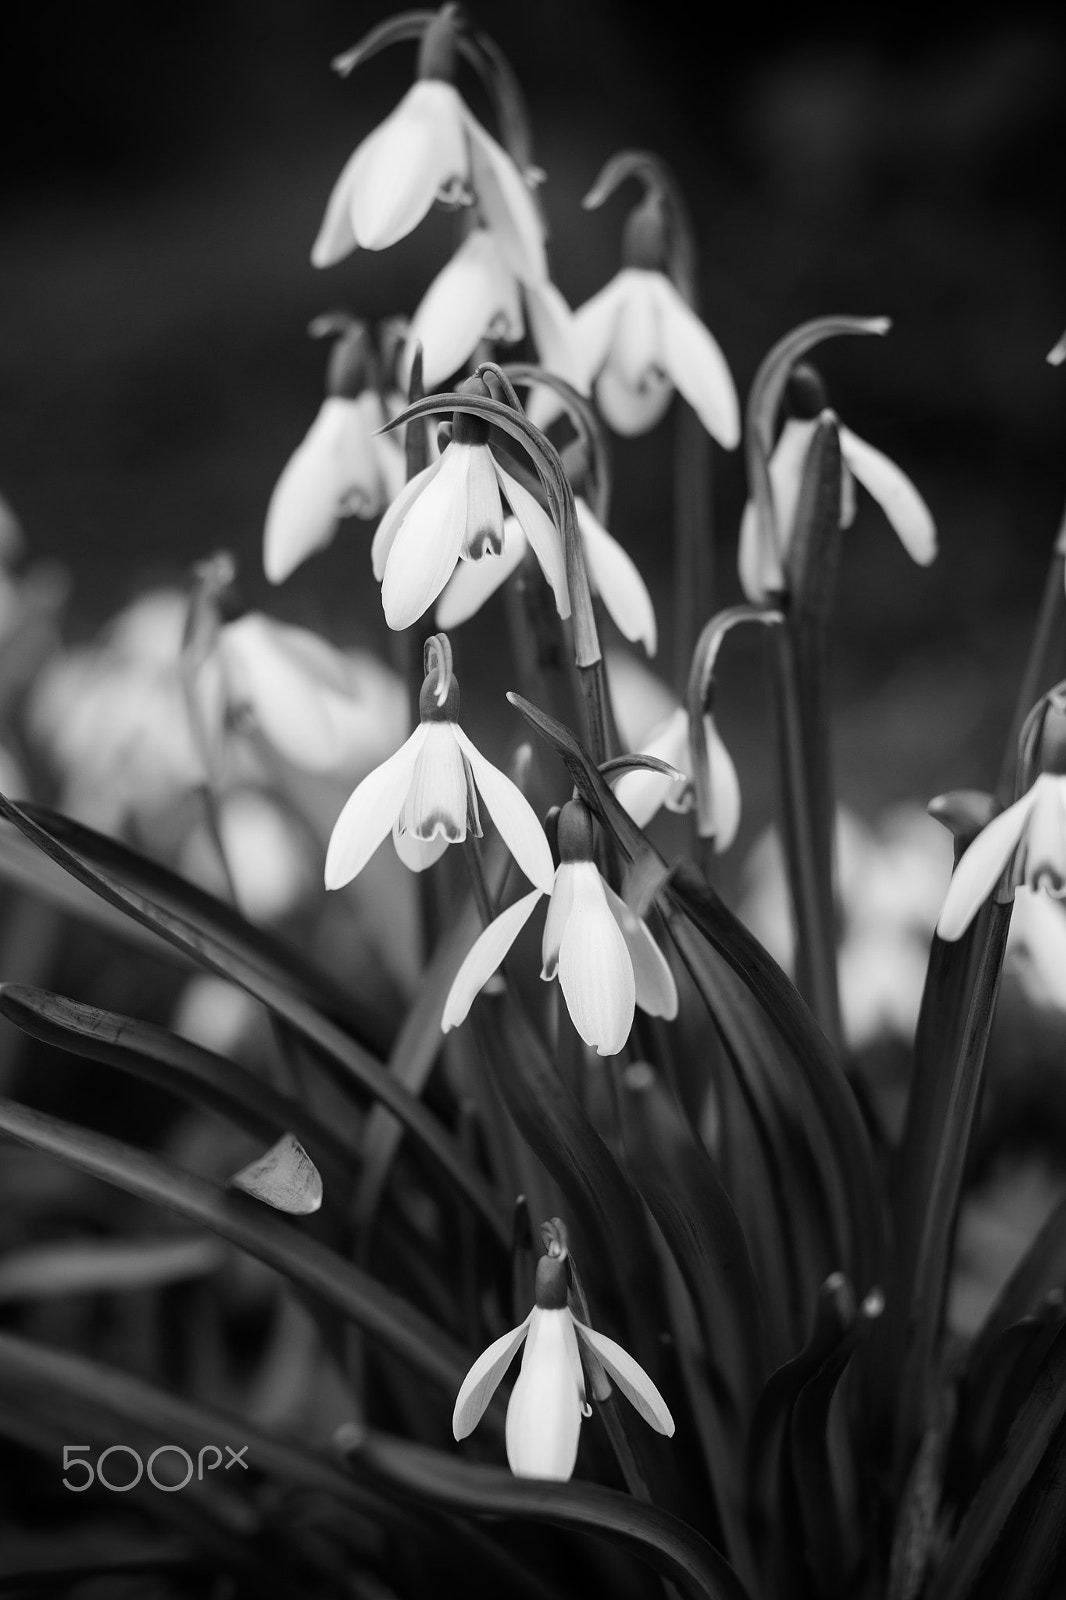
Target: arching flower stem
pixel 1044 661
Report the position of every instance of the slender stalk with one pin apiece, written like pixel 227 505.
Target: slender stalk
pixel 1043 664
pixel 693 537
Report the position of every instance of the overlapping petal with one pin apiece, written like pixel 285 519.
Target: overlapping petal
pixel 982 863
pixel 656 991
pixel 506 203
pixel 474 297
pixel 334 472
pixel 614 576
pixel 895 494
pixel 515 819
pixel 371 811
pixel 543 535
pixel 630 1377
pixel 544 1412
pixel 429 539
pixel 692 359
pixel 472 582
pixel 389 526
pixel 595 969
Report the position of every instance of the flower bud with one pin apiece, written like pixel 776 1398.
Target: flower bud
pixel 575 832
pixel 805 393
pixel 467 429
pixel 350 366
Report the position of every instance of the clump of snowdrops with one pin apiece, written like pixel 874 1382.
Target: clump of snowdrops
pixel 590 1245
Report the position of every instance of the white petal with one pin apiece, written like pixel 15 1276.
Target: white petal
pixel 724 787
pixel 438 799
pixel 630 1377
pixel 656 990
pixel 297 688
pixel 370 812
pixel 615 577
pixel 760 570
pixel 473 581
pixel 1045 840
pixel 484 956
pixel 417 854
pixel 595 322
pixel 515 819
pixel 978 871
pixel 428 541
pixel 483 1379
pixel 642 792
pixel 330 473
pixel 629 410
pixel 595 968
pixel 544 538
pixel 389 526
pixel 506 204
pixel 399 169
pixel 562 896
pixel 544 1411
pixel 551 323
pixel 694 362
pixel 484 508
pixel 895 494
pixel 473 297
pixel 335 237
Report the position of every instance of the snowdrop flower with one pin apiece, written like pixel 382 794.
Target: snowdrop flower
pixel 889 486
pixel 427 794
pixel 431 148
pixel 476 296
pixel 548 1400
pixel 344 467
pixel 453 510
pixel 606 960
pixel 611 571
pixel 642 792
pixel 1033 832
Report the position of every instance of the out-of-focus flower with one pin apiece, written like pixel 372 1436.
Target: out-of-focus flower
pixel 1035 828
pixel 638 341
pixel 431 147
pixel 475 296
pixel 890 883
pixel 606 959
pixel 343 468
pixel 427 794
pixel 651 723
pixel 881 478
pixel 612 574
pixel 452 510
pixel 268 860
pixel 548 1400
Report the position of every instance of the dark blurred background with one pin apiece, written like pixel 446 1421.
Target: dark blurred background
pixel 168 168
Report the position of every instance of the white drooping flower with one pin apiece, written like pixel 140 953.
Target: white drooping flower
pixel 454 510
pixel 888 484
pixel 430 148
pixel 612 574
pixel 603 954
pixel 548 1400
pixel 1032 831
pixel 427 796
pixel 638 341
pixel 475 296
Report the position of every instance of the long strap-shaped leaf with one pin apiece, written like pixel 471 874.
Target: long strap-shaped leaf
pixel 287 965
pixel 689 906
pixel 433 1478
pixel 356 1065
pixel 165 1059
pixel 1041 1270
pixel 378 1310
pixel 1036 1424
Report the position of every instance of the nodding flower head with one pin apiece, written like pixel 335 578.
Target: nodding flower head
pixel 427 793
pixel 431 148
pixel 548 1400
pixel 453 510
pixel 602 953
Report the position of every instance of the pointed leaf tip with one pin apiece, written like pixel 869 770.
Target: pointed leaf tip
pixel 284 1177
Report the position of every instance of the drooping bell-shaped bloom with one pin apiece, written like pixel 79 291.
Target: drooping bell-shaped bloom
pixel 894 492
pixel 1032 831
pixel 638 342
pixel 476 296
pixel 604 956
pixel 612 574
pixel 427 796
pixel 454 510
pixel 431 147
pixel 344 466
pixel 548 1400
